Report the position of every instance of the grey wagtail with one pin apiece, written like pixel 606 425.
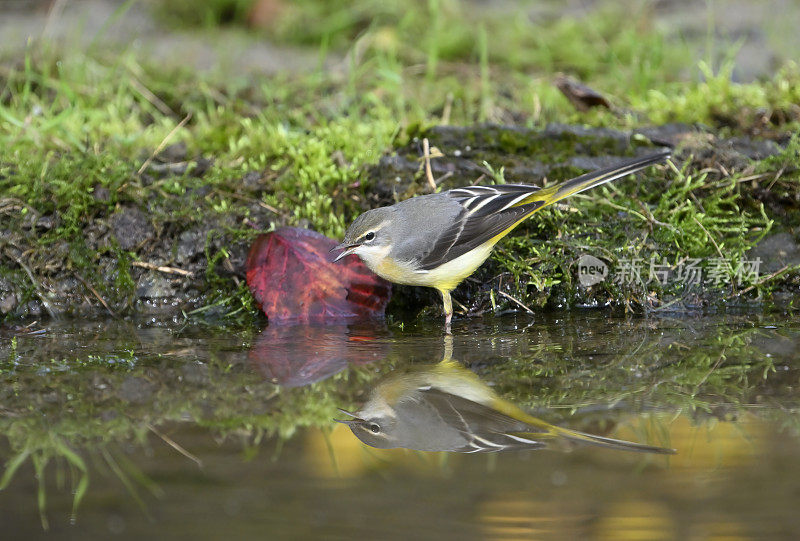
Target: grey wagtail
pixel 437 240
pixel 445 407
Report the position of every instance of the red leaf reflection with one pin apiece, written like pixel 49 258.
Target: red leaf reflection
pixel 297 355
pixel 290 274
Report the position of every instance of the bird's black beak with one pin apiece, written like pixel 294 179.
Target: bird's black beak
pixel 349 422
pixel 347 249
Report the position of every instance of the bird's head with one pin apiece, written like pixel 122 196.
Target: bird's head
pixel 368 236
pixel 375 431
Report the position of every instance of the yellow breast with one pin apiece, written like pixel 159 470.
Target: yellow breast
pixel 445 277
pixel 452 273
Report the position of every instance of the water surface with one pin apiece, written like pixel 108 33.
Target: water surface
pixel 126 429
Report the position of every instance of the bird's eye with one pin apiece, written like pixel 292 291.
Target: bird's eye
pixel 369 236
pixel 374 428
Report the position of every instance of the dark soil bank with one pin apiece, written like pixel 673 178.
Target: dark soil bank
pixel 171 253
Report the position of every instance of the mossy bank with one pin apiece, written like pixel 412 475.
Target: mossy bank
pixel 128 186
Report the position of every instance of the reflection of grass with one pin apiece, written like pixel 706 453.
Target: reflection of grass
pixel 41 448
pixel 75 418
pixel 47 449
pixel 69 415
pixel 74 126
pixel 697 374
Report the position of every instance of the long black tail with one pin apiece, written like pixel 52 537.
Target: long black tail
pixel 575 185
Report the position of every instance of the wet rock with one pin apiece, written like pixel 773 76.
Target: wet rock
pixel 190 244
pixel 669 134
pixel 45 223
pixel 94 234
pixel 136 390
pixel 590 163
pixel 8 302
pixel 734 154
pixel 8 296
pixel 776 252
pixel 781 347
pixel 131 227
pixel 391 176
pixel 154 286
pixel 201 166
pixel 619 139
pixel 252 181
pixel 32 309
pixel 200 191
pixel 101 193
pixel 752 148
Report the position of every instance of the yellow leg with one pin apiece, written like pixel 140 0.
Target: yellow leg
pixel 448 309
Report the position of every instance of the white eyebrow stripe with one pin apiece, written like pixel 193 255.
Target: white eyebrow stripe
pixel 515 201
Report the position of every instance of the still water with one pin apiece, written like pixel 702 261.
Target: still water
pixel 127 429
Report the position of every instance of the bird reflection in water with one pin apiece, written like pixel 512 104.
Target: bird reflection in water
pixel 446 407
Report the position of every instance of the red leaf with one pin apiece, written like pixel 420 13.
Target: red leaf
pixel 290 274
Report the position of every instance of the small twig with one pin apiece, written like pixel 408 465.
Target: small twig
pixel 159 268
pixel 445 176
pixel 767 278
pixel 748 178
pixel 95 293
pixel 478 180
pixel 250 200
pixel 517 301
pixel 36 286
pixel 172 443
pixel 652 218
pixel 163 143
pixel 464 309
pixel 537 108
pixel 269 208
pixel 448 107
pixel 777 176
pixel 152 98
pixel 708 374
pixel 426 154
pixel 697 202
pixel 644 218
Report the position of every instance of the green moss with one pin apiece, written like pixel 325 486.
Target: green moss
pixel 208 14
pixel 74 126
